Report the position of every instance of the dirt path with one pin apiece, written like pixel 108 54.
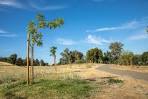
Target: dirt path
pixel 133 74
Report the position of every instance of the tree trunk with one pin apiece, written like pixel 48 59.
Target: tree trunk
pixel 28 49
pixel 54 60
pixel 32 65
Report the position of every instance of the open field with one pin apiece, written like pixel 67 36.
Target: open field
pixel 70 81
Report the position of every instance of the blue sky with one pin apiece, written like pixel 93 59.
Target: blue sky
pixel 88 24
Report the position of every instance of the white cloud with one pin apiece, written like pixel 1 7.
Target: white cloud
pixel 11 3
pixel 62 41
pixel 8 35
pixel 129 25
pixel 3 31
pixel 43 7
pixel 29 5
pixel 139 36
pixel 91 39
pixel 51 7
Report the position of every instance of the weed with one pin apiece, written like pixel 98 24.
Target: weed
pixel 114 81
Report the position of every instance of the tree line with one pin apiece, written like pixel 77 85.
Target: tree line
pixel 13 59
pixel 115 55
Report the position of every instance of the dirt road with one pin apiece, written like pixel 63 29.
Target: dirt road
pixel 133 74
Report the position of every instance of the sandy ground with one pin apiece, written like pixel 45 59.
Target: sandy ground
pixel 129 89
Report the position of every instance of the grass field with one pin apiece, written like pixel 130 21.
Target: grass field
pixel 77 81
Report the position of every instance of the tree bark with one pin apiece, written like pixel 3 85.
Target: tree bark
pixel 28 61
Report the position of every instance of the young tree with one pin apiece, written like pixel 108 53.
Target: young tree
pixel 53 53
pixel 34 36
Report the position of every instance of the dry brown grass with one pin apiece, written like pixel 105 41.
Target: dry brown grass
pixel 143 69
pixel 5 64
pixel 130 89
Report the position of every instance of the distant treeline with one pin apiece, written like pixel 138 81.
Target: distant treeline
pixel 21 62
pixel 115 55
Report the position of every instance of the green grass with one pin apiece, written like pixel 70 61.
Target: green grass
pixel 48 89
pixel 114 81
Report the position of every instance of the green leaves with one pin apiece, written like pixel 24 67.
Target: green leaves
pixel 31 28
pixel 55 23
pixel 116 49
pixel 37 39
pixel 53 50
pixel 40 17
pixel 94 55
pixel 41 23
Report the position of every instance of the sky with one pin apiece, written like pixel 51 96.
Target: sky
pixel 87 24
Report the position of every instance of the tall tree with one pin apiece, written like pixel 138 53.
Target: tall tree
pixel 42 63
pixel 107 57
pixel 94 55
pixel 126 58
pixel 144 57
pixel 66 56
pixel 116 49
pixel 76 56
pixel 34 36
pixel 19 62
pixel 69 57
pixel 53 53
pixel 13 58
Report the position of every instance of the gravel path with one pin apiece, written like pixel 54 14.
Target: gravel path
pixel 133 74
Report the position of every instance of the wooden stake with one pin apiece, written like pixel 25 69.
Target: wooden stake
pixel 28 50
pixel 32 65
